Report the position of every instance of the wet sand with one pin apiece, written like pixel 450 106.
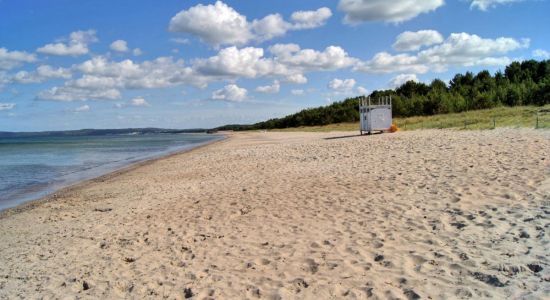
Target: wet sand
pixel 434 213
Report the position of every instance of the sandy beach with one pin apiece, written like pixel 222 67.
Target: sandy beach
pixel 431 214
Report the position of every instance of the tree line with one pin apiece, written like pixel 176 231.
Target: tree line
pixel 521 83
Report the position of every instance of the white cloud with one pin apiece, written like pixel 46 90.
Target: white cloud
pixel 230 92
pixel 361 90
pixel 219 24
pixel 401 79
pixel 311 19
pixel 7 106
pixel 395 11
pixel 297 92
pixel 100 78
pixel 83 108
pixel 459 49
pixel 68 94
pixel 486 4
pixel 83 37
pixel 139 101
pixel 137 52
pixel 233 62
pixel 296 78
pixel 541 54
pixel 77 44
pixel 158 73
pixel 269 27
pixel 103 79
pixel 289 62
pixel 13 59
pixel 463 49
pixel 270 89
pixel 180 41
pixel 215 24
pixel 41 74
pixel 61 49
pixel 413 41
pixel 342 85
pixel 332 58
pixel 119 46
pixel 4 79
pixel 384 62
pixel 99 65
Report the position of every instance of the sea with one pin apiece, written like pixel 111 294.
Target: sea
pixel 33 167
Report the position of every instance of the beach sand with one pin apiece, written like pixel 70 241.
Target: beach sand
pixel 431 214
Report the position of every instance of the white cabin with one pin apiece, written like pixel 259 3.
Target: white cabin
pixel 375 115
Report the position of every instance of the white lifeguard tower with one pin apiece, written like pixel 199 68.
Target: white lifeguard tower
pixel 375 115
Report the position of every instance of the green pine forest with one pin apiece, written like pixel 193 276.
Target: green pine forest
pixel 521 83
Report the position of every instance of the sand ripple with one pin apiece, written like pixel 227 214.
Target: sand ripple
pixel 436 213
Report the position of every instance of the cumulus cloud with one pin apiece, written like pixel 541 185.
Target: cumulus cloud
pixel 137 52
pixel 539 53
pixel 68 94
pixel 215 24
pixel 296 78
pixel 219 24
pixel 100 78
pixel 4 79
pixel 158 73
pixel 401 79
pixel 413 41
pixel 83 108
pixel 77 44
pixel 41 74
pixel 119 46
pixel 234 62
pixel 230 92
pixel 288 62
pixel 395 11
pixel 361 90
pixel 463 49
pixel 13 59
pixel 385 62
pixel 103 79
pixel 331 58
pixel 139 101
pixel 61 49
pixel 269 27
pixel 459 49
pixel 297 92
pixel 341 85
pixel 486 4
pixel 7 106
pixel 311 19
pixel 180 41
pixel 270 89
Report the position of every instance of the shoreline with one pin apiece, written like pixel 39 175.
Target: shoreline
pixel 277 215
pixel 53 195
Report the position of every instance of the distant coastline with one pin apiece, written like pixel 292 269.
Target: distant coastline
pixel 99 132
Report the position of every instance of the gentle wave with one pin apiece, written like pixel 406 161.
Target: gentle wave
pixel 32 167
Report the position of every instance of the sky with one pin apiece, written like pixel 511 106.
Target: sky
pixel 68 64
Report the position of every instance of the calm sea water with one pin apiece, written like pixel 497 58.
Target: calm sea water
pixel 32 167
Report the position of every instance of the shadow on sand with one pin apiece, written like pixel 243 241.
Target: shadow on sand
pixel 350 136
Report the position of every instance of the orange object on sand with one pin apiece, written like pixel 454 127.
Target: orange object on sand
pixel 394 128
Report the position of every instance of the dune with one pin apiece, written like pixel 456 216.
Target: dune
pixel 423 214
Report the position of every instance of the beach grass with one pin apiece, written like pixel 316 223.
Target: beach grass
pixel 516 117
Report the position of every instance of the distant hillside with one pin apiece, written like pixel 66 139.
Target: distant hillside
pixel 99 132
pixel 522 83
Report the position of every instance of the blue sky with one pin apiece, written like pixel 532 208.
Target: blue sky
pixel 68 64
